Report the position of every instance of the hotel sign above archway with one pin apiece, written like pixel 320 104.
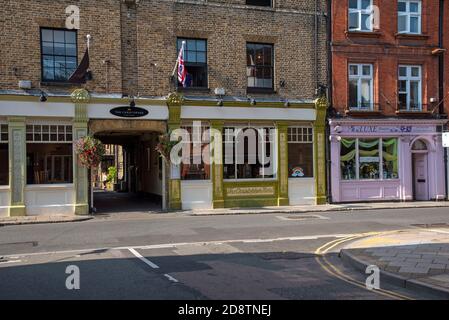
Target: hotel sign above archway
pixel 129 112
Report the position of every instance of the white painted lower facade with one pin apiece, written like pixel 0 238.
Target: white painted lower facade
pixel 50 199
pixel 301 191
pixel 5 196
pixel 196 195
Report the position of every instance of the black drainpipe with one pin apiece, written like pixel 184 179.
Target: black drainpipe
pixel 329 96
pixel 441 79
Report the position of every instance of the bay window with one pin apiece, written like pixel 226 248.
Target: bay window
pixel 300 152
pixel 360 86
pixel 360 15
pixel 49 154
pixel 369 159
pixel 249 153
pixel 409 88
pixel 409 16
pixel 4 155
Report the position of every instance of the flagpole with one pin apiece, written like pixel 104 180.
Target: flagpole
pixel 177 60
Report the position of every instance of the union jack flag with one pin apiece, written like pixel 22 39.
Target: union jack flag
pixel 182 72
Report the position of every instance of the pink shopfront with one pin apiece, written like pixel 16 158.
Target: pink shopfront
pixel 381 160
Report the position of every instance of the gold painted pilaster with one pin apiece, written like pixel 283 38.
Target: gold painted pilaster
pixel 17 165
pixel 217 166
pixel 282 164
pixel 320 150
pixel 80 98
pixel 174 103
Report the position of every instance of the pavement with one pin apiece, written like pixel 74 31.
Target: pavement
pixel 9 221
pixel 321 208
pixel 112 206
pixel 417 259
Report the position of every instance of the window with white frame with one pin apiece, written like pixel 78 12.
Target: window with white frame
pixel 300 152
pixel 369 159
pixel 249 153
pixel 409 16
pixel 360 15
pixel 360 87
pixel 409 88
pixel 49 153
pixel 4 155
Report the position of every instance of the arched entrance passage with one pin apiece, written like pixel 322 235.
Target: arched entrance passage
pixel 138 184
pixel 420 164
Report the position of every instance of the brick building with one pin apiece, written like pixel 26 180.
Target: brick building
pixel 252 65
pixel 388 100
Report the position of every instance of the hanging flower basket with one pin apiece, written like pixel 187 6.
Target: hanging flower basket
pixel 90 151
pixel 165 146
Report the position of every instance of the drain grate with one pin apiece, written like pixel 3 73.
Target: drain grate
pixel 433 225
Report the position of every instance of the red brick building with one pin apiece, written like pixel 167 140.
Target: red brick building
pixel 387 99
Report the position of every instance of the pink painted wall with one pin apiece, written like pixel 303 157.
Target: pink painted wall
pixel 395 189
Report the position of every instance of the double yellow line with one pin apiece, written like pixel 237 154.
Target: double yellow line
pixel 336 272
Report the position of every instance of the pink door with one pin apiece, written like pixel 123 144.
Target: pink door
pixel 421 181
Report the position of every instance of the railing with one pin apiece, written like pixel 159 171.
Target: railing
pixel 364 107
pixel 412 107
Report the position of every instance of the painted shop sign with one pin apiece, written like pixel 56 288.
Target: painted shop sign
pixel 129 112
pixel 388 129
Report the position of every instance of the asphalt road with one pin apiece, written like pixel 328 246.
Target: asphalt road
pixel 172 256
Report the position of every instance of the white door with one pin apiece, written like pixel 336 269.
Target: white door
pixel 421 181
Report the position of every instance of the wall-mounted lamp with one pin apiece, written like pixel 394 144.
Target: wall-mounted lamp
pixel 43 97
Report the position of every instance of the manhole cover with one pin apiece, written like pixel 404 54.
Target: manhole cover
pixel 433 225
pixel 285 255
pixel 301 217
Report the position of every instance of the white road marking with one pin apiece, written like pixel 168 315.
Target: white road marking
pixel 148 262
pixel 11 261
pixel 218 242
pixel 172 245
pixel 169 277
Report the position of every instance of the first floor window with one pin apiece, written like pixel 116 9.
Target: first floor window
pixel 260 61
pixel 49 154
pixel 409 88
pixel 300 152
pixel 4 155
pixel 409 16
pixel 195 61
pixel 249 153
pixel 59 54
pixel 361 87
pixel 195 164
pixel 360 15
pixel 369 159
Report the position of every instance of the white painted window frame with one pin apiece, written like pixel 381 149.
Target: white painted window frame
pixel 409 15
pixel 381 159
pixel 359 11
pixel 409 78
pixel 7 129
pixel 359 77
